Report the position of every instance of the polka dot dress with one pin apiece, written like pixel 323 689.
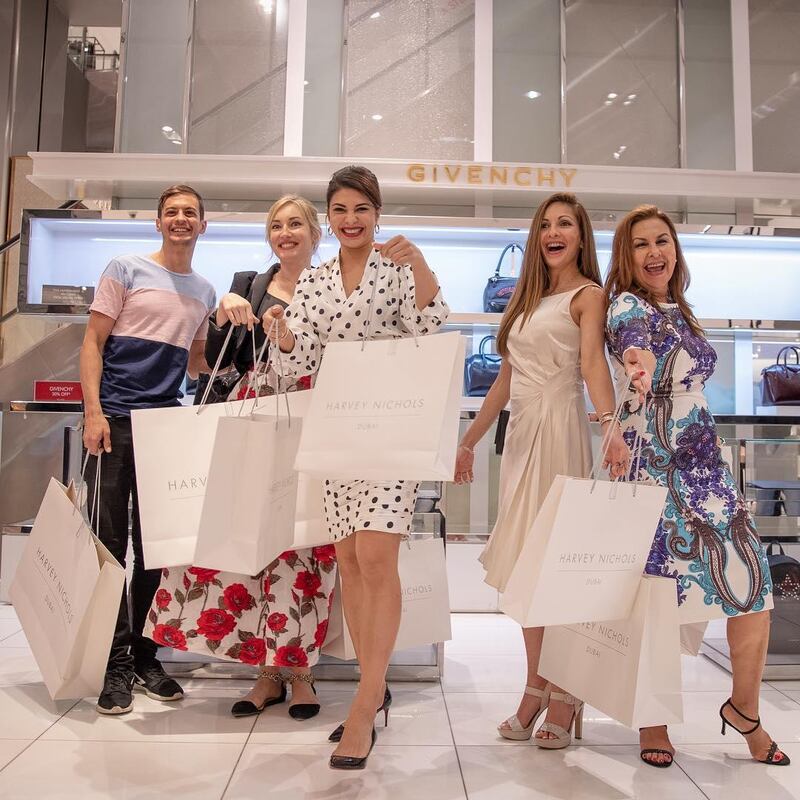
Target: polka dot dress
pixel 321 312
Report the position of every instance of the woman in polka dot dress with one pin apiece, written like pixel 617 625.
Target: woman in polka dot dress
pixel 335 303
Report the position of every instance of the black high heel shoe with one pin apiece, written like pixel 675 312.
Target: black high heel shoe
pixel 303 710
pixel 783 761
pixel 247 708
pixel 336 736
pixel 353 762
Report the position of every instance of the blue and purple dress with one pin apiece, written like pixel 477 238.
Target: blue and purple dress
pixel 706 539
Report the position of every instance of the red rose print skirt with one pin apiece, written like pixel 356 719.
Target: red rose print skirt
pixel 276 618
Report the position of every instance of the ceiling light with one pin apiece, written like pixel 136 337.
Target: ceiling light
pixel 612 95
pixel 377 117
pixel 627 102
pixel 608 102
pixel 533 94
pixel 616 155
pixel 305 83
pixel 375 15
pixel 623 148
pixel 166 129
pixel 631 97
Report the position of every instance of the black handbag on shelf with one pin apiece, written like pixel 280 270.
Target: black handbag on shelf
pixel 780 382
pixel 481 369
pixel 499 288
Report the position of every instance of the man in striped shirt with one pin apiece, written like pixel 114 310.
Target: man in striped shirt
pixel 147 328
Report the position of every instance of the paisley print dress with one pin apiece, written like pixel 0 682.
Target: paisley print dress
pixel 706 539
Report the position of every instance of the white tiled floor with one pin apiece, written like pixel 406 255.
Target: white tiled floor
pixel 441 742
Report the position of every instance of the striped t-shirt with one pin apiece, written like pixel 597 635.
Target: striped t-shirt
pixel 158 315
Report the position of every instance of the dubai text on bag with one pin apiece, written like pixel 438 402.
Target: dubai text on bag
pixel 66 592
pixel 385 410
pixel 426 601
pixel 629 669
pixel 588 546
pixel 481 369
pixel 499 288
pixel 780 382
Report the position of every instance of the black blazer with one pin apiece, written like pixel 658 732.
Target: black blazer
pixel 239 352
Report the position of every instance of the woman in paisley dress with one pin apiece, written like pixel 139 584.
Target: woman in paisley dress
pixel 706 539
pixel 276 620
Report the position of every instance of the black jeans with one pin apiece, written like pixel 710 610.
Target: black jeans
pixel 117 487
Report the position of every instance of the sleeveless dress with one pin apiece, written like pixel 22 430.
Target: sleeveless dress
pixel 548 429
pixel 706 540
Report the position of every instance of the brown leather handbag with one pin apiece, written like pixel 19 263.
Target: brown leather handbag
pixel 780 382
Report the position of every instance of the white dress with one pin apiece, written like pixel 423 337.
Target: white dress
pixel 320 312
pixel 548 430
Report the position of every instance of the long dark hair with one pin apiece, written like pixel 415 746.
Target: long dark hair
pixel 534 279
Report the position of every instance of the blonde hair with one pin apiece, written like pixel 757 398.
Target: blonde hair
pixel 534 280
pixel 622 276
pixel 307 212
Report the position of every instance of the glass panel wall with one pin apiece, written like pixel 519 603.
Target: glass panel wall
pixel 409 77
pixel 238 88
pixel 156 50
pixel 323 77
pixel 622 82
pixel 775 84
pixel 527 81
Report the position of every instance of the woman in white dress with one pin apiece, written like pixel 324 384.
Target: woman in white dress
pixel 368 291
pixel 552 341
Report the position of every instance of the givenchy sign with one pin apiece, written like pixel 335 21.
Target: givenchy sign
pixel 494 175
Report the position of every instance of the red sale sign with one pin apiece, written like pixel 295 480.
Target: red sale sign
pixel 57 391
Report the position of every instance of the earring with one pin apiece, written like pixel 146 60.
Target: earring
pixel 329 230
pixel 377 228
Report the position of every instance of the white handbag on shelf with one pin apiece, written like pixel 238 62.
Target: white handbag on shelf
pixel 629 669
pixel 585 553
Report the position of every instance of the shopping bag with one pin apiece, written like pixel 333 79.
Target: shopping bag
pixel 66 593
pixel 691 637
pixel 248 512
pixel 172 453
pixel 385 410
pixel 629 669
pixel 584 555
pixel 426 601
pixel 310 527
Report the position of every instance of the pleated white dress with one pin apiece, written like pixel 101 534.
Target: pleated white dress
pixel 548 430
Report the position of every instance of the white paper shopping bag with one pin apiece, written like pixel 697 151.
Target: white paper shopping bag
pixel 173 450
pixel 248 515
pixel 587 547
pixel 66 592
pixel 425 597
pixel 385 410
pixel 629 669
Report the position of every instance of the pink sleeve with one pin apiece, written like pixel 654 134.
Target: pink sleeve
pixel 109 297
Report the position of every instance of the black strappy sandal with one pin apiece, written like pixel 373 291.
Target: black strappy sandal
pixel 783 761
pixel 656 751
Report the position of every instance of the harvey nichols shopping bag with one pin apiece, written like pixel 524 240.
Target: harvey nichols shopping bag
pixel 66 592
pixel 248 515
pixel 629 669
pixel 426 601
pixel 385 411
pixel 587 548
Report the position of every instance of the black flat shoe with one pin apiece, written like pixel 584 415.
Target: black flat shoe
pixel 353 762
pixel 303 710
pixel 336 736
pixel 247 708
pixel 783 761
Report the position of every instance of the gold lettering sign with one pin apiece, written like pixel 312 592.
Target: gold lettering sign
pixel 493 175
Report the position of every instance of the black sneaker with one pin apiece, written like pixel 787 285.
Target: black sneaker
pixel 117 696
pixel 151 677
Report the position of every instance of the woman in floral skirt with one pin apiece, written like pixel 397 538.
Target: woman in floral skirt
pixel 276 620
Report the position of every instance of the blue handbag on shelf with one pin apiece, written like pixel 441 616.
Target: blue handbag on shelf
pixel 499 288
pixel 481 369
